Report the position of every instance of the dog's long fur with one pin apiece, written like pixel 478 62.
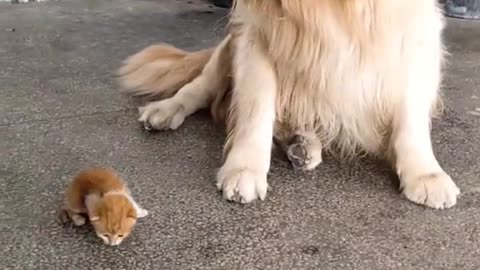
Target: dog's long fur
pixel 363 75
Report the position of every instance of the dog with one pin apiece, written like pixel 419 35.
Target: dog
pixel 348 76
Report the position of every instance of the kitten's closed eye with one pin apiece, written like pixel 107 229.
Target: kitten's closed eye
pixel 120 235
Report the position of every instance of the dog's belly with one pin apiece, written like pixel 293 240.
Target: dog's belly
pixel 343 76
pixel 343 100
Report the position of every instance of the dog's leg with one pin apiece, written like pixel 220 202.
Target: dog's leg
pixel 304 151
pixel 170 113
pixel 243 176
pixel 422 179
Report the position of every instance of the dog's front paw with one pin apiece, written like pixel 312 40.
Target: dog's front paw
pixel 162 115
pixel 435 190
pixel 242 185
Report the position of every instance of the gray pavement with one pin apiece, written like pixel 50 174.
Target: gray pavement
pixel 60 111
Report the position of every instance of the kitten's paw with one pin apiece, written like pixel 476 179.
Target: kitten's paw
pixel 78 220
pixel 242 185
pixel 142 213
pixel 304 155
pixel 63 216
pixel 162 115
pixel 435 190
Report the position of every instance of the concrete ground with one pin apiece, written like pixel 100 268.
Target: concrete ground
pixel 61 112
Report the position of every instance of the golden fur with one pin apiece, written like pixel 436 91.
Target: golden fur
pixel 362 75
pixel 104 197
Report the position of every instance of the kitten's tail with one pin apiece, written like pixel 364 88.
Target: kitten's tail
pixel 159 71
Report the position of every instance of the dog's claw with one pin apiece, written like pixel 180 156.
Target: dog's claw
pixel 298 154
pixel 146 125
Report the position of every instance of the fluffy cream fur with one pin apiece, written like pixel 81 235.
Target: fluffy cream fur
pixel 361 75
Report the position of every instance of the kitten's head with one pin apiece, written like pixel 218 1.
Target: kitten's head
pixel 113 218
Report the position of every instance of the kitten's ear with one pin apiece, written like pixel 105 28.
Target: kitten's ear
pixel 131 213
pixel 94 218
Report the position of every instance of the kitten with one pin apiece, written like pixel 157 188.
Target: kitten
pixel 105 199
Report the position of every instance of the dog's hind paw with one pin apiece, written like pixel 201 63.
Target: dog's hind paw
pixel 304 154
pixel 162 115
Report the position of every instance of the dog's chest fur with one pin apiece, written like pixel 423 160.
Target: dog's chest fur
pixel 340 64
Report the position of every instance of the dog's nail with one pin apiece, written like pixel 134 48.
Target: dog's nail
pixel 146 125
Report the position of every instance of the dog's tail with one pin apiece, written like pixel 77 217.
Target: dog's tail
pixel 159 71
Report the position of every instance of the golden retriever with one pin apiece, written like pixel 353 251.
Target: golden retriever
pixel 354 76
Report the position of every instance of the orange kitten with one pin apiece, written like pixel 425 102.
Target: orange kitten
pixel 105 198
